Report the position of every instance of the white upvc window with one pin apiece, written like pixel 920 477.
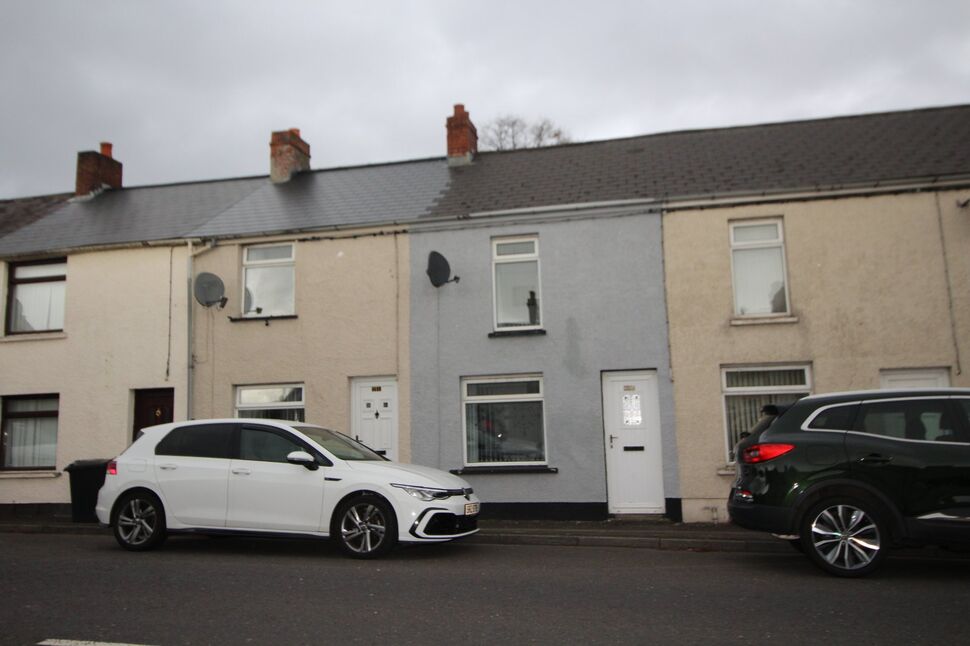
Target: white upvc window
pixel 504 421
pixel 758 268
pixel 271 401
pixel 515 279
pixel 748 389
pixel 268 280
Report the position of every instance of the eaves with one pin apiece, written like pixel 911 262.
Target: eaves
pixel 811 193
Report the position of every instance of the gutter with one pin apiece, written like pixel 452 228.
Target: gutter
pixel 62 251
pixel 814 193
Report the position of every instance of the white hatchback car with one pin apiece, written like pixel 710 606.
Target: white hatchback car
pixel 266 477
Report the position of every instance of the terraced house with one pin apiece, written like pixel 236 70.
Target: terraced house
pixel 578 330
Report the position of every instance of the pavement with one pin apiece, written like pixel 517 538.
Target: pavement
pixel 637 532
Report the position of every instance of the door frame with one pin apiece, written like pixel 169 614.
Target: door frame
pixel 393 452
pixel 655 439
pixel 138 393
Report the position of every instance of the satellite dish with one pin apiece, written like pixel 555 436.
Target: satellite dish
pixel 439 271
pixel 209 290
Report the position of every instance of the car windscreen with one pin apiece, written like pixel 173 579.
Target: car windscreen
pixel 339 444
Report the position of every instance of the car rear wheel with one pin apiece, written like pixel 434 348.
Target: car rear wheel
pixel 365 527
pixel 845 536
pixel 140 521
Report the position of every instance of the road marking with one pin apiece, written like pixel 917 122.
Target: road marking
pixel 74 642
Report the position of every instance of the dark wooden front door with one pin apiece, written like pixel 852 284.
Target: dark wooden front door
pixel 152 407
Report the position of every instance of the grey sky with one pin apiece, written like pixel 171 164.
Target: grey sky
pixel 190 90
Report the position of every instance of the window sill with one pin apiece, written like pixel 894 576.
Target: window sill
pixel 727 470
pixel 502 333
pixel 264 319
pixel 763 320
pixel 13 475
pixel 32 336
pixel 510 469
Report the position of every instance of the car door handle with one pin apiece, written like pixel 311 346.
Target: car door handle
pixel 167 467
pixel 874 459
pixel 241 471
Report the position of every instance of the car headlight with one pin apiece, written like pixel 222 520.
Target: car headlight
pixel 425 494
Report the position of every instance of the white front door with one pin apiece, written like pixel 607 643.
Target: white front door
pixel 921 378
pixel 634 461
pixel 374 420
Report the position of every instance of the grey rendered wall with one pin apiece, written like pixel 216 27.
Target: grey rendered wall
pixel 603 309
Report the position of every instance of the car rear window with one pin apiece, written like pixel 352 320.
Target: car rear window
pixel 200 441
pixel 835 418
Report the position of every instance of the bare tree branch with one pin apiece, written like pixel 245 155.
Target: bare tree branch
pixel 511 132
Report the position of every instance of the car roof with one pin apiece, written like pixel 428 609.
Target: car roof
pixel 893 393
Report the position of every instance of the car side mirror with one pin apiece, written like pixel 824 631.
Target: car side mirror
pixel 304 458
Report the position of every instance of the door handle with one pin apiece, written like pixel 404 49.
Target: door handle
pixel 167 467
pixel 613 437
pixel 241 471
pixel 874 459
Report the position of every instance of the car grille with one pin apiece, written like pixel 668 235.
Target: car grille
pixel 446 524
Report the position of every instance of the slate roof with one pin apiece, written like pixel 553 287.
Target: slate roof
pixel 18 213
pixel 335 198
pixel 148 213
pixel 930 144
pixel 821 153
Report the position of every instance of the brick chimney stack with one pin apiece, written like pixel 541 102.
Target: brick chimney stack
pixel 462 137
pixel 288 155
pixel 97 170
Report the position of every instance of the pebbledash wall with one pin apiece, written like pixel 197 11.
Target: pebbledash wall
pixel 123 330
pixel 351 320
pixel 603 310
pixel 876 283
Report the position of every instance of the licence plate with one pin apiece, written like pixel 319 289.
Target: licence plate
pixel 471 508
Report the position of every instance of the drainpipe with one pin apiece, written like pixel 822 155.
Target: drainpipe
pixel 190 340
pixel 190 318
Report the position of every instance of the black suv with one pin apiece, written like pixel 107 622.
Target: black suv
pixel 844 476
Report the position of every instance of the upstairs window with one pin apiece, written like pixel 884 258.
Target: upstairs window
pixel 36 296
pixel 268 279
pixel 284 402
pixel 515 276
pixel 758 266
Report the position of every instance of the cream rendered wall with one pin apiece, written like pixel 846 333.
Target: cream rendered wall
pixel 867 284
pixel 117 338
pixel 352 321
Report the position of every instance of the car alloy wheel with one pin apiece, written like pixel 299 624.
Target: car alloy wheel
pixel 844 537
pixel 140 521
pixel 367 527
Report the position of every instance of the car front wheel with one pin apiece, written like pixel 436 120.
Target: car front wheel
pixel 140 521
pixel 845 536
pixel 365 527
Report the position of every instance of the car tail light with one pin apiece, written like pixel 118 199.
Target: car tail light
pixel 763 452
pixel 112 469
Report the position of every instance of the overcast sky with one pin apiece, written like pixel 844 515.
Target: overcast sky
pixel 190 90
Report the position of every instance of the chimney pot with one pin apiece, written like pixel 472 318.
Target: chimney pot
pixel 106 148
pixel 288 155
pixel 462 137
